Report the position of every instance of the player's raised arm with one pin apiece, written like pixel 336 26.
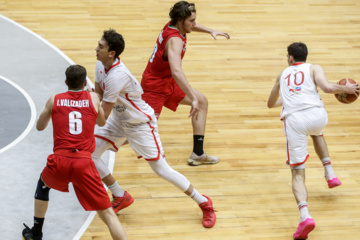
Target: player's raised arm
pixel 214 33
pixel 45 115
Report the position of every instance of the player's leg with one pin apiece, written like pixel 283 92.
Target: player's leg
pixel 321 150
pixel 92 195
pixel 198 155
pixel 306 223
pixel 163 170
pixel 145 141
pixel 318 118
pixel 299 189
pixel 296 131
pixel 109 217
pixel 121 198
pixel 40 208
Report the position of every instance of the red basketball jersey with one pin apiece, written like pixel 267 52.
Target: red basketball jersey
pixel 74 117
pixel 157 75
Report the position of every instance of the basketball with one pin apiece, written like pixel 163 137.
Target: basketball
pixel 344 97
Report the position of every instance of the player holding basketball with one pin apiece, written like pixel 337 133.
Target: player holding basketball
pixel 132 120
pixel 165 83
pixel 304 114
pixel 74 115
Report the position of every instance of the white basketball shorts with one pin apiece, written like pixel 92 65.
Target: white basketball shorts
pixel 297 127
pixel 143 138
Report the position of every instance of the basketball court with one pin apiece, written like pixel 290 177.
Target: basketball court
pixel 251 185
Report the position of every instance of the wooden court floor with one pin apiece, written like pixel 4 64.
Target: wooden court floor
pixel 250 186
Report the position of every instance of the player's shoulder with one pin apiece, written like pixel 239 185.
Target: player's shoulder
pixel 315 67
pixel 171 31
pixel 120 70
pixel 119 73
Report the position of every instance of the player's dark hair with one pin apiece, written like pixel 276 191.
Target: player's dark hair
pixel 180 11
pixel 75 76
pixel 298 50
pixel 115 41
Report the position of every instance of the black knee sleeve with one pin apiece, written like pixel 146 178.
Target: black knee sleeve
pixel 42 191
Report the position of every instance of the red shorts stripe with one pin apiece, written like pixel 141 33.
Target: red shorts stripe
pixel 108 140
pixel 297 164
pixel 157 144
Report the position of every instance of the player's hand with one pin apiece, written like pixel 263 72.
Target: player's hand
pixel 352 88
pixel 194 111
pixel 215 33
pixel 90 89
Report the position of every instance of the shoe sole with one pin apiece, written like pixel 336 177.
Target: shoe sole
pixel 305 232
pixel 334 185
pixel 192 162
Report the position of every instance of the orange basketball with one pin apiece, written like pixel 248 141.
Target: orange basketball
pixel 344 97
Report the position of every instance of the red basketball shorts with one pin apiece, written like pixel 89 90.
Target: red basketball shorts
pixel 61 170
pixel 158 100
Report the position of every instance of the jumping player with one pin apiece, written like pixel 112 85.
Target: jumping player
pixel 134 121
pixel 165 83
pixel 304 114
pixel 74 115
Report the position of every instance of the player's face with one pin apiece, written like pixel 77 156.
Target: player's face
pixel 189 23
pixel 102 50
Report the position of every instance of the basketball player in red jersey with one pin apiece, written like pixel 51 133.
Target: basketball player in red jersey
pixel 164 82
pixel 74 115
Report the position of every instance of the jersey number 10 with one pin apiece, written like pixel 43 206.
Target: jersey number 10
pixel 298 78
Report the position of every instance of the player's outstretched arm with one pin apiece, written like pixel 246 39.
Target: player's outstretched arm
pixel 214 33
pixel 45 115
pixel 274 100
pixel 320 79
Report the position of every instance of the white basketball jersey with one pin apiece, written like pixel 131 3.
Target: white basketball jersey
pixel 298 90
pixel 121 87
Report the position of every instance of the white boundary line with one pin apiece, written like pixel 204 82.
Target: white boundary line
pixel 32 117
pixel 112 154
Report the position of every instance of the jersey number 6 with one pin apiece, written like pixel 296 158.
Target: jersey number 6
pixel 75 123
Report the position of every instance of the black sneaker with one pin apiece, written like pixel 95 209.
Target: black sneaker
pixel 28 235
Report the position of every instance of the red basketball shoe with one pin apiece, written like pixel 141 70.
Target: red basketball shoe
pixel 119 203
pixel 209 217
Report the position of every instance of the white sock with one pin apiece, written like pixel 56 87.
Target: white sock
pixel 328 168
pixel 116 190
pixel 197 197
pixel 303 211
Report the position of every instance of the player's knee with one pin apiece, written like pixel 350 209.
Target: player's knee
pixel 42 191
pixel 162 170
pixel 203 101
